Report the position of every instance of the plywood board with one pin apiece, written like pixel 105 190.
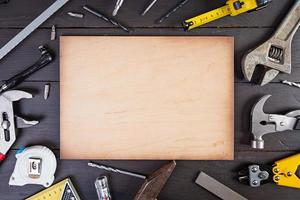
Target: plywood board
pixel 146 97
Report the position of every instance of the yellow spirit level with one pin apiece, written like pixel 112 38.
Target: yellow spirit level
pixel 232 8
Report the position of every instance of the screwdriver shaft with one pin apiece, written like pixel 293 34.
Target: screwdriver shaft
pixel 177 7
pixel 98 14
pixel 149 7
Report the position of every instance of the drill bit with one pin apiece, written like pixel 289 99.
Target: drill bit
pixel 117 7
pixel 98 14
pixel 46 91
pixel 76 15
pixel 291 83
pixel 53 32
pixel 119 171
pixel 175 9
pixel 149 7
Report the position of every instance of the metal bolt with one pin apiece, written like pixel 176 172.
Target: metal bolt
pixel 289 173
pixel 254 169
pixel 255 182
pixel 5 124
pixel 282 124
pixel 277 178
pixel 263 175
pixel 276 170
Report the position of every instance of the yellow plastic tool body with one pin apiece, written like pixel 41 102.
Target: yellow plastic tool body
pixel 285 172
pixel 54 192
pixel 232 8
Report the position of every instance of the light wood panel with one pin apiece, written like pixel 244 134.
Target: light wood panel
pixel 146 98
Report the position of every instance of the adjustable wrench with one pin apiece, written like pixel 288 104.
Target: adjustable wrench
pixel 9 122
pixel 262 123
pixel 275 53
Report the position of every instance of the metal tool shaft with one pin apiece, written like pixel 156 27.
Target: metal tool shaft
pixel 115 170
pixel 175 9
pixel 117 7
pixel 291 83
pixel 217 188
pixel 31 27
pixel 100 15
pixel 149 7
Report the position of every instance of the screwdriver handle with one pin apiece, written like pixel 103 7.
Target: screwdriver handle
pixel 44 60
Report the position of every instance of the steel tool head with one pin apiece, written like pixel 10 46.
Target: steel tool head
pixel 263 123
pixel 154 184
pixel 259 123
pixel 8 121
pixel 264 56
pixel 274 54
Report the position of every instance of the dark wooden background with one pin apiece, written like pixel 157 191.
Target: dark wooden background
pixel 248 30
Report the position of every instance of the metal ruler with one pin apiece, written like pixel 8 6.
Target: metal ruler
pixel 217 188
pixel 63 190
pixel 31 27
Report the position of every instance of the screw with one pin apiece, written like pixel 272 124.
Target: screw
pixel 276 170
pixel 289 173
pixel 254 169
pixel 263 175
pixel 277 178
pixel 255 182
pixel 282 124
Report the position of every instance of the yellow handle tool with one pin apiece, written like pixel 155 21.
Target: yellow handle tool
pixel 232 8
pixel 285 172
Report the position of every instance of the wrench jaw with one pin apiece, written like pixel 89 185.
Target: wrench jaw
pixel 274 55
pixel 258 58
pixel 8 121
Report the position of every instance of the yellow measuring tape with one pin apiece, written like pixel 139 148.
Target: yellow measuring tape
pixel 232 8
pixel 63 190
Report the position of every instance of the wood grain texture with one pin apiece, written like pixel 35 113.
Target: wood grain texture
pixel 146 98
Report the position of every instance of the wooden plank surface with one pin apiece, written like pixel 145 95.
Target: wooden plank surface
pixel 249 30
pixel 142 98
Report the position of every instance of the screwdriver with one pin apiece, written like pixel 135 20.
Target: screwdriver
pixel 44 60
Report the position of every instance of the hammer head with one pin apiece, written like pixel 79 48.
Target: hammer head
pixel 259 123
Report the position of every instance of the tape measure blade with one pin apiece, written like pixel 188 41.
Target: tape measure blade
pixel 209 17
pixel 52 193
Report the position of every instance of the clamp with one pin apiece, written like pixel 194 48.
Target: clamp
pixel 262 123
pixel 275 54
pixel 9 121
pixel 282 172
